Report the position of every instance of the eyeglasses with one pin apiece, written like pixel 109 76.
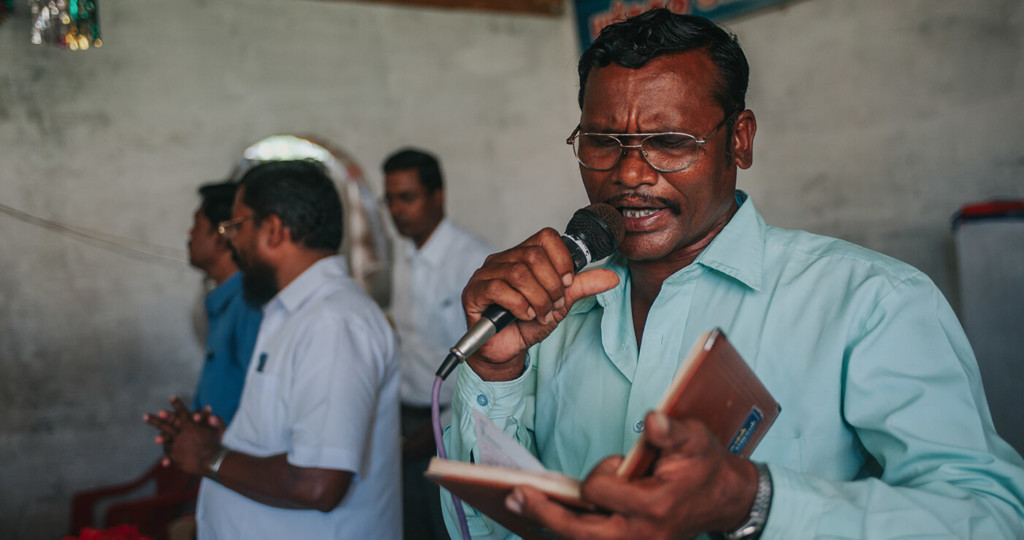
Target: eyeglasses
pixel 665 152
pixel 228 229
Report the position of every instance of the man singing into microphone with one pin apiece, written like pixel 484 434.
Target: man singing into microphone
pixel 884 430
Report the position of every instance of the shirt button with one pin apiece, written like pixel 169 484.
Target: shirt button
pixel 482 400
pixel 638 426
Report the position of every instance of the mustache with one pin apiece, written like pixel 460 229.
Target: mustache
pixel 631 199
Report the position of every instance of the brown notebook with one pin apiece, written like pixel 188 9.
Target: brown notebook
pixel 485 488
pixel 713 384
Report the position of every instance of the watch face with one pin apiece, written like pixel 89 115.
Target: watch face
pixel 746 531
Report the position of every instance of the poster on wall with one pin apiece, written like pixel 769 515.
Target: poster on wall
pixel 593 15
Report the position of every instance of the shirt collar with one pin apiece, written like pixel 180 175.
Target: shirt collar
pixel 737 252
pixel 217 300
pixel 433 251
pixel 303 287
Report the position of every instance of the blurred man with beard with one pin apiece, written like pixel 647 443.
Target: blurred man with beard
pixel 313 449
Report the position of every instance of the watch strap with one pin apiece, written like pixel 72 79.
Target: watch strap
pixel 217 460
pixel 758 516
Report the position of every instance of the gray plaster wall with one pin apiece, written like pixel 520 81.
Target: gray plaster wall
pixel 877 119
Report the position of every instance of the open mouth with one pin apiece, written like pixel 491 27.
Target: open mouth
pixel 642 212
pixel 634 213
pixel 642 220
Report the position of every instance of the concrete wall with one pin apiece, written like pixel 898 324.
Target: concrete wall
pixel 877 120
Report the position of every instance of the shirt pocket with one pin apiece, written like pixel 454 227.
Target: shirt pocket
pixel 785 451
pixel 268 411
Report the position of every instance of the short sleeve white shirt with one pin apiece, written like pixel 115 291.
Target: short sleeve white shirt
pixel 322 387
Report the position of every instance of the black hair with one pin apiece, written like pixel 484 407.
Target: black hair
pixel 217 198
pixel 302 195
pixel 424 162
pixel 635 41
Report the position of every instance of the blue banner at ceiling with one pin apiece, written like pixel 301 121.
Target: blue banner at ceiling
pixel 593 15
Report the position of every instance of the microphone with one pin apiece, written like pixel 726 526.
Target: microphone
pixel 592 234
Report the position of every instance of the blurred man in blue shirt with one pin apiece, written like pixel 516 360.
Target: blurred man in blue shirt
pixel 233 321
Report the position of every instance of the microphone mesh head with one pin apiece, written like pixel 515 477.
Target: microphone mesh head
pixel 600 227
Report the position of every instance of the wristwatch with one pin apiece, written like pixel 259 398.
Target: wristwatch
pixel 752 527
pixel 218 458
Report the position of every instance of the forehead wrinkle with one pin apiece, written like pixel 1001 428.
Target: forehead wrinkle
pixel 669 93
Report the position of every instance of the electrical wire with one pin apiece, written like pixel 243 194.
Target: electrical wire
pixel 146 251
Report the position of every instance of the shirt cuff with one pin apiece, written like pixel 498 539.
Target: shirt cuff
pixel 499 399
pixel 792 503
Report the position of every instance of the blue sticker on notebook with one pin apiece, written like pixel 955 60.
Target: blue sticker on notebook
pixel 742 436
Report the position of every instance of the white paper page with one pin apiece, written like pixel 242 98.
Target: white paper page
pixel 494 447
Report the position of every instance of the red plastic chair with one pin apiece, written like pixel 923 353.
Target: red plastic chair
pixel 174 497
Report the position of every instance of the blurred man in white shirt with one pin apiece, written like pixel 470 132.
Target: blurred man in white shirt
pixel 433 262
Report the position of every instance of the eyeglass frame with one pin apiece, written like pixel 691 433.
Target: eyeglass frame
pixel 624 148
pixel 229 228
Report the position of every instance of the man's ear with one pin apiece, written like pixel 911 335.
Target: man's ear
pixel 272 232
pixel 438 196
pixel 742 142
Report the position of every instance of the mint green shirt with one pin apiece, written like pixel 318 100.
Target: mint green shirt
pixel 884 430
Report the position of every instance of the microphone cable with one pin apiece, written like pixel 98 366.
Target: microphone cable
pixel 435 418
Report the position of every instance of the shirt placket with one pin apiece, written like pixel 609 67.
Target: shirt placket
pixel 425 288
pixel 659 355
